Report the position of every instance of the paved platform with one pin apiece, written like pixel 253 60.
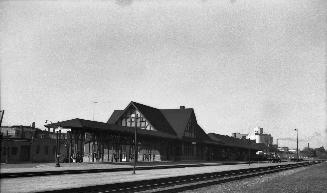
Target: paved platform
pixel 42 183
pixel 44 167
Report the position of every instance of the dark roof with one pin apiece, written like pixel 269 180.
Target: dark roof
pixel 178 119
pixel 115 116
pixel 155 117
pixel 171 121
pixel 94 126
pixel 79 123
pixel 202 135
pixel 231 141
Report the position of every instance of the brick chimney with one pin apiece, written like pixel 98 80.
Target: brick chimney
pixel 181 107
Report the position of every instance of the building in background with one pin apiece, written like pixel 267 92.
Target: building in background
pixel 21 143
pixel 260 137
pixel 239 135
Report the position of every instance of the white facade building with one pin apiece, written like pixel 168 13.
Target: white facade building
pixel 260 137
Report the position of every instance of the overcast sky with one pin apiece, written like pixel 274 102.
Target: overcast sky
pixel 238 63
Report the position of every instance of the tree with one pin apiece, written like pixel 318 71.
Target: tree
pixel 308 152
pixel 321 152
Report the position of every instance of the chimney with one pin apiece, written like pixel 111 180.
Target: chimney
pixel 181 107
pixel 33 124
pixel 308 146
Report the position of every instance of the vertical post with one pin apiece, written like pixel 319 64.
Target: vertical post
pixel 82 146
pixel 249 151
pixel 69 136
pixel 59 145
pixel 297 144
pixel 57 151
pixel 93 144
pixel 135 143
pixel 89 150
pixel 94 102
pixel 7 147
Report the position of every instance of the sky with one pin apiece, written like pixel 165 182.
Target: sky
pixel 239 63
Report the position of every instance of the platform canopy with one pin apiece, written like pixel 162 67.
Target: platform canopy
pixel 233 142
pixel 95 126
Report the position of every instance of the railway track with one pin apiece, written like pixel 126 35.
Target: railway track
pixel 182 183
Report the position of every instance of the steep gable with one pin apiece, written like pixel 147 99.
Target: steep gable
pixel 115 116
pixel 155 117
pixel 184 123
pixel 178 119
pixel 179 122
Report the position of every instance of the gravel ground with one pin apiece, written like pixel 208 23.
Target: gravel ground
pixel 302 180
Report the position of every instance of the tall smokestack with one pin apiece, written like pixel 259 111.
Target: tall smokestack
pixel 308 145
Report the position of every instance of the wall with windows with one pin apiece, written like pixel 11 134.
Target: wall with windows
pixel 38 150
pixel 128 119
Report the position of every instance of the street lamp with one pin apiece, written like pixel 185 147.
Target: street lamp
pixel 297 144
pixel 57 142
pixel 94 102
pixel 57 150
pixel 249 151
pixel 135 142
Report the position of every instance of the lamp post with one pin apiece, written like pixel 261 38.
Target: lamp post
pixel 57 151
pixel 135 142
pixel 94 102
pixel 249 151
pixel 297 144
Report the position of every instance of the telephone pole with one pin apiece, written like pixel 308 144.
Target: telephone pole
pixel 297 144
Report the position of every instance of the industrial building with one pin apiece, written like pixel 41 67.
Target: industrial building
pixel 260 137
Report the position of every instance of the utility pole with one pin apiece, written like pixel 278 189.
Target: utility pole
pixel 2 112
pixel 135 142
pixel 249 151
pixel 57 149
pixel 297 144
pixel 94 102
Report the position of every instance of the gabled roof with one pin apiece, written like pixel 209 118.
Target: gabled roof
pixel 202 135
pixel 115 116
pixel 155 117
pixel 171 121
pixel 178 119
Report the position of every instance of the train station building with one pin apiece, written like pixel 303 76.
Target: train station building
pixel 161 135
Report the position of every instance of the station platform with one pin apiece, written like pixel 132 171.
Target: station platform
pixel 46 183
pixel 106 166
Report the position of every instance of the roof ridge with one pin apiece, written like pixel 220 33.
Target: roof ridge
pixel 178 109
pixel 139 105
pixel 143 105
